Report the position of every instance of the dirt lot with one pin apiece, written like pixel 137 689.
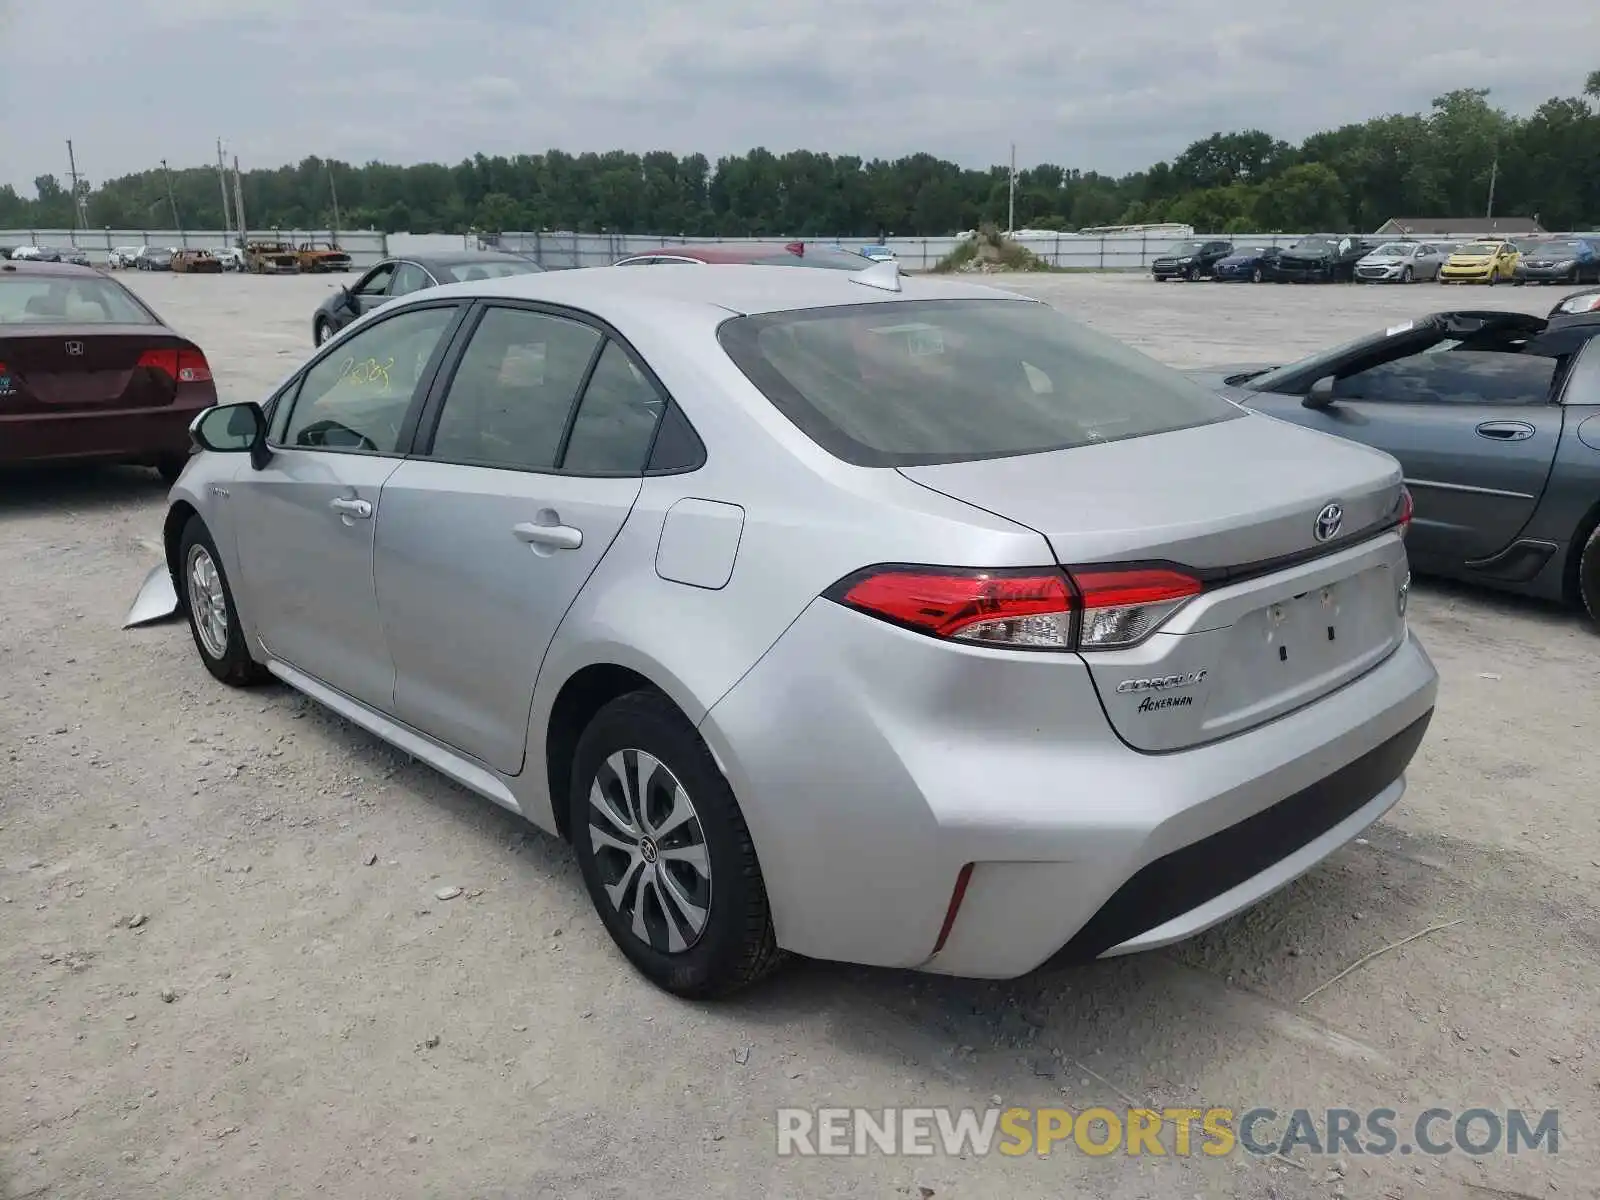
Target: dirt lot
pixel 284 1020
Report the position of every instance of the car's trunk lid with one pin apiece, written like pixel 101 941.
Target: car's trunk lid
pixel 67 368
pixel 1286 615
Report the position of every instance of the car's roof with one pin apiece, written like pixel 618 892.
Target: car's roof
pixel 729 288
pixel 32 266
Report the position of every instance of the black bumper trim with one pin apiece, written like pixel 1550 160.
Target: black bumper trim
pixel 1185 879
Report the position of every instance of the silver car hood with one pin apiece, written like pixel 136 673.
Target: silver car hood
pixel 157 599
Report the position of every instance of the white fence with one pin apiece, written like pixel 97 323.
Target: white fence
pixel 559 250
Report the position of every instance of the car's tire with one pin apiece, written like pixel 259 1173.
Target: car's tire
pixel 639 754
pixel 1589 577
pixel 1192 274
pixel 208 603
pixel 1256 276
pixel 320 332
pixel 1406 274
pixel 1494 278
pixel 170 466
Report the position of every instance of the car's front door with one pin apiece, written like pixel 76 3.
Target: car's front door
pixel 1475 432
pixel 487 536
pixel 305 521
pixel 372 289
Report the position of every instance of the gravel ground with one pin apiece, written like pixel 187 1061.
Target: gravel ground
pixel 210 992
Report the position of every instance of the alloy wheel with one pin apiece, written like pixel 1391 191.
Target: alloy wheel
pixel 650 850
pixel 208 604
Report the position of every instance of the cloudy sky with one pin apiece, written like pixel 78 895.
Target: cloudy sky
pixel 1111 87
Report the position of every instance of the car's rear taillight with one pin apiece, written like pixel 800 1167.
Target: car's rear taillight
pixel 1403 523
pixel 1022 609
pixel 1123 606
pixel 1029 609
pixel 182 366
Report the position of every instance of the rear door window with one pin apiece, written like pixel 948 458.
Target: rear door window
pixel 906 383
pixel 510 398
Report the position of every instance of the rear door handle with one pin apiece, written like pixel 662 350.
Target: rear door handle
pixel 360 509
pixel 1506 431
pixel 557 537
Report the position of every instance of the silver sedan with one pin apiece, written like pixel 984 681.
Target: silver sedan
pixel 1403 262
pixel 901 622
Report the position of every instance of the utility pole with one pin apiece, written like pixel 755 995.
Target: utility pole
pixel 171 199
pixel 1011 194
pixel 1494 174
pixel 77 195
pixel 222 178
pixel 333 234
pixel 238 204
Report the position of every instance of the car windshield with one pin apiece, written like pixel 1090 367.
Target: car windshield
pixel 1395 249
pixel 464 272
pixel 1180 248
pixel 78 300
pixel 904 383
pixel 1478 248
pixel 1556 250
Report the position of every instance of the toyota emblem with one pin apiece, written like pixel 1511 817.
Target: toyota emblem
pixel 75 349
pixel 1329 522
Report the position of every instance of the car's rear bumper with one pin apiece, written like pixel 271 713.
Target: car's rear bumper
pixel 129 435
pixel 873 764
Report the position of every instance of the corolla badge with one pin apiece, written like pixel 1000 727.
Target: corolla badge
pixel 1329 521
pixel 1162 683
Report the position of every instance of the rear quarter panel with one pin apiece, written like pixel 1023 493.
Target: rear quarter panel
pixel 809 521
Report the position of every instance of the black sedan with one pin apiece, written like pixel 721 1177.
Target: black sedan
pixel 1189 260
pixel 1246 264
pixel 402 276
pixel 1495 418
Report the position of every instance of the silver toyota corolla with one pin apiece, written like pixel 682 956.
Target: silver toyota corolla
pixel 902 622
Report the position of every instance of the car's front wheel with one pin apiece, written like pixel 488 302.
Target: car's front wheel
pixel 1589 577
pixel 213 617
pixel 321 332
pixel 1255 276
pixel 1192 274
pixel 664 851
pixel 1406 274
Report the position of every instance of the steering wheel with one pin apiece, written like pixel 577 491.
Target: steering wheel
pixel 317 434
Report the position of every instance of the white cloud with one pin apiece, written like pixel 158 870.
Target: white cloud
pixel 1108 87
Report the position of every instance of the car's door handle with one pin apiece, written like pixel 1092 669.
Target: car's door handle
pixel 557 537
pixel 1506 431
pixel 360 509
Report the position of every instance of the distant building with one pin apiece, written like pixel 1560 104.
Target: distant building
pixel 1461 227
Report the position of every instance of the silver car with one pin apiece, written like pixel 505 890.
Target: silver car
pixel 1403 262
pixel 901 622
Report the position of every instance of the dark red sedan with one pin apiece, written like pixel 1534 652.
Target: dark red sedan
pixel 776 254
pixel 88 372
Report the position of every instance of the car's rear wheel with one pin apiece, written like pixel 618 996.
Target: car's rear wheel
pixel 1589 577
pixel 213 618
pixel 665 853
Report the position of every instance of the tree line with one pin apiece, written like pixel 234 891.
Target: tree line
pixel 1445 162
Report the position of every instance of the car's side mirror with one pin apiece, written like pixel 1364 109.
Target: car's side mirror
pixel 1321 393
pixel 347 297
pixel 233 429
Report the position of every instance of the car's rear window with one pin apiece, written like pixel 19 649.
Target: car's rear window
pixel 74 300
pixel 907 383
pixel 467 271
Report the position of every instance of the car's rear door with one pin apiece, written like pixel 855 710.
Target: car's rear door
pixel 489 532
pixel 1474 430
pixel 304 522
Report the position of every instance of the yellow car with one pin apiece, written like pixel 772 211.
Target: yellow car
pixel 1480 262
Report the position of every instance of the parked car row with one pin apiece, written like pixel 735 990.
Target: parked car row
pixel 1342 258
pixel 53 254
